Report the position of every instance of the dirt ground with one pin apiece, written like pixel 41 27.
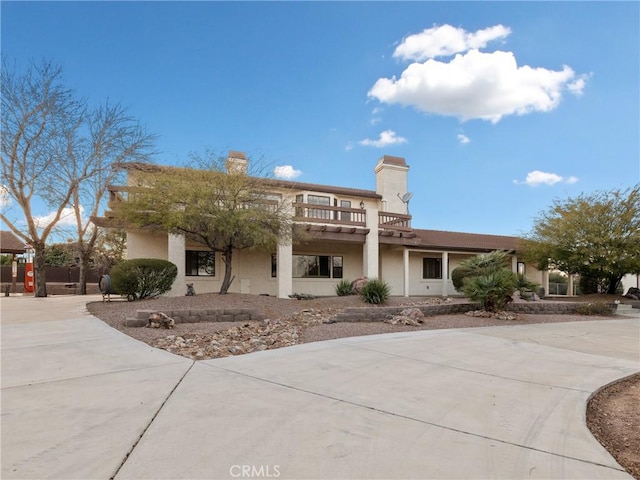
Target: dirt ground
pixel 613 415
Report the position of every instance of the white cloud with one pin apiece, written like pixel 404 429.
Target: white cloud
pixel 287 172
pixel 577 86
pixel 445 40
pixel 472 84
pixel 537 177
pixel 388 137
pixel 463 139
pixel 66 219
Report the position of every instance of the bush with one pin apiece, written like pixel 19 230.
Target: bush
pixel 486 279
pixel 143 277
pixel 343 288
pixel 491 290
pixel 595 308
pixel 375 291
pixel 457 277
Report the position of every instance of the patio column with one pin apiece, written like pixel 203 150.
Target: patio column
pixel 445 274
pixel 370 260
pixel 176 254
pixel 285 269
pixel 545 281
pixel 405 269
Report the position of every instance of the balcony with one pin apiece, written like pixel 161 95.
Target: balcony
pixel 327 214
pixel 394 222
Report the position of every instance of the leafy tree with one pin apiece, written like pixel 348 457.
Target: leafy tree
pixel 596 236
pixel 57 149
pixel 224 210
pixel 60 255
pixel 487 279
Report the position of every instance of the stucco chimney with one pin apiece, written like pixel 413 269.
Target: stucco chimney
pixel 391 182
pixel 237 162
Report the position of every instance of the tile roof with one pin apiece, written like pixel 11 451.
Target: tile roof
pixel 9 243
pixel 464 241
pixel 355 192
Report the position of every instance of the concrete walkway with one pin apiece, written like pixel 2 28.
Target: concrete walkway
pixel 80 400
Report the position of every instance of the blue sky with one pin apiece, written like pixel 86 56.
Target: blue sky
pixel 498 108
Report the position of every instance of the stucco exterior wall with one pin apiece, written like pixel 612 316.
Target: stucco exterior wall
pixel 391 271
pixel 142 244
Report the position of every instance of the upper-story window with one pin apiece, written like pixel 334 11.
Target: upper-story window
pixel 319 200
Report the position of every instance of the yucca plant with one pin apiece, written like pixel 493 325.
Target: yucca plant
pixel 375 291
pixel 343 288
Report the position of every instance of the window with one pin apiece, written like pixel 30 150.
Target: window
pixel 345 216
pixel 274 265
pixel 521 268
pixel 337 267
pixel 432 268
pixel 316 266
pixel 319 200
pixel 199 263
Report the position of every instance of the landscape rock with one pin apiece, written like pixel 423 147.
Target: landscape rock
pixel 357 284
pixel 249 337
pixel 160 320
pixel 408 316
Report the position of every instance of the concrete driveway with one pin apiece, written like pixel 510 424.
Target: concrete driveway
pixel 80 400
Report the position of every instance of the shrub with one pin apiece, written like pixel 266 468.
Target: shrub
pixel 457 277
pixel 375 291
pixel 595 308
pixel 143 277
pixel 343 288
pixel 491 290
pixel 487 279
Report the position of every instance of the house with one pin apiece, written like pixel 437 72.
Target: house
pixel 350 233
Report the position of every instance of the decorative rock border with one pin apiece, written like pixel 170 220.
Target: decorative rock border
pixel 195 316
pixel 353 314
pixel 379 314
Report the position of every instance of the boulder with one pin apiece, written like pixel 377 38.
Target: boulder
pixel 357 284
pixel 160 320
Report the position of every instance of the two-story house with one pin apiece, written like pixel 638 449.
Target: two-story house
pixel 350 233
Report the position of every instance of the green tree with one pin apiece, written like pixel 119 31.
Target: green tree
pixel 60 255
pixel 596 236
pixel 224 209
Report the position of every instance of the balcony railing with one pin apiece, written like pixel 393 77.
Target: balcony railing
pixel 394 221
pixel 309 212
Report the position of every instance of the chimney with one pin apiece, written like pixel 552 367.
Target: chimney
pixel 391 182
pixel 237 162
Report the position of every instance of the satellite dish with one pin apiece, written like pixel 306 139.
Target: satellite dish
pixel 405 199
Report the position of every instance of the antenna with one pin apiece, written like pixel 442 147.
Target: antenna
pixel 405 199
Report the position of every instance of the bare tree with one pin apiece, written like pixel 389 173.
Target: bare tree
pixel 56 149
